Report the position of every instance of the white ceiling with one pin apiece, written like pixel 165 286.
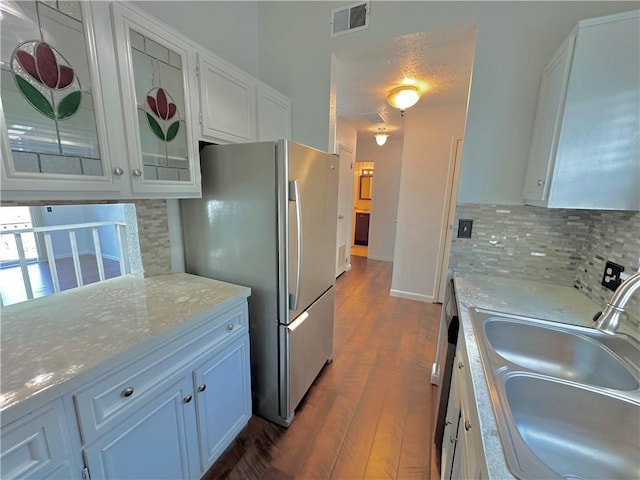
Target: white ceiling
pixel 440 60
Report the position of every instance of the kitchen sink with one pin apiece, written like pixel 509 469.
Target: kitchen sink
pixel 566 397
pixel 559 353
pixel 576 432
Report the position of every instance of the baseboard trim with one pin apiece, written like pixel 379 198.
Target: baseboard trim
pixel 411 296
pixel 381 259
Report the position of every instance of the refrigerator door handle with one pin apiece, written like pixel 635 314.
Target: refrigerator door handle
pixel 294 196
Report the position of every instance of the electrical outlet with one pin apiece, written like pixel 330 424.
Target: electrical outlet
pixel 464 228
pixel 611 277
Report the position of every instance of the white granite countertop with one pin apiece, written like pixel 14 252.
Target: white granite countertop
pixel 520 297
pixel 47 341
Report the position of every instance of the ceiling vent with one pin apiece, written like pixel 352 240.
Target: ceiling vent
pixel 374 117
pixel 350 19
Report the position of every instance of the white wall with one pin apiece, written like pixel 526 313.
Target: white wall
pixel 514 41
pixel 386 187
pixel 429 133
pixel 228 29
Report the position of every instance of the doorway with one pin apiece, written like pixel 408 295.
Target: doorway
pixel 345 187
pixel 362 200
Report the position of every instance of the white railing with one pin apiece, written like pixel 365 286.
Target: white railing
pixel 121 238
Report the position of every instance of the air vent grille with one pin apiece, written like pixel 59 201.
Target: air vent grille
pixel 374 117
pixel 350 19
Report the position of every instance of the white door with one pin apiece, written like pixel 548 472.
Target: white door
pixel 345 199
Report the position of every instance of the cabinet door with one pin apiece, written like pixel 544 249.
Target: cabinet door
pixel 452 420
pixel 228 102
pixel 157 80
pixel 38 446
pixel 361 236
pixel 153 443
pixel 54 140
pixel 598 157
pixel 223 400
pixel 274 114
pixel 546 127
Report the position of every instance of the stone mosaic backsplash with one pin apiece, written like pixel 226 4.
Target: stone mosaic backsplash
pixel 520 241
pixel 153 231
pixel 565 247
pixel 613 236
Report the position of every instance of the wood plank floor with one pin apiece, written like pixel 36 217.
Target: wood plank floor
pixel 369 413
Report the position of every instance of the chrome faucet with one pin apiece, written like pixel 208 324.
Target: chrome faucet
pixel 608 320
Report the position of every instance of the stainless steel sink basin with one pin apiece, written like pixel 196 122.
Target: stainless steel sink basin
pixel 576 432
pixel 566 398
pixel 559 353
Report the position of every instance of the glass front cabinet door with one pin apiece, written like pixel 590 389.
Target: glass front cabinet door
pixel 51 115
pixel 157 81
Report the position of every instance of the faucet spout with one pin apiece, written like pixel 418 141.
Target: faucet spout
pixel 609 319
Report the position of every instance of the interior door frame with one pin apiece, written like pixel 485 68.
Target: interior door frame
pixel 345 184
pixel 451 195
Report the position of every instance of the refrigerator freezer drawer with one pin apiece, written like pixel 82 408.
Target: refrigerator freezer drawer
pixel 308 344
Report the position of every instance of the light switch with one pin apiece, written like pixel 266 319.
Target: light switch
pixel 464 228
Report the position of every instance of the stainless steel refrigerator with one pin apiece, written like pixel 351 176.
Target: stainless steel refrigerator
pixel 267 219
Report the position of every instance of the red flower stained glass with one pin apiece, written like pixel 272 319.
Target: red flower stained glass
pixel 160 109
pixel 39 70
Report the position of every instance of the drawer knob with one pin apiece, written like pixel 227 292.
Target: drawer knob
pixel 230 326
pixel 202 388
pixel 187 399
pixel 127 392
pixel 467 425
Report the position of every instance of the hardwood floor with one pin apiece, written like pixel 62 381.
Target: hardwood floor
pixel 369 413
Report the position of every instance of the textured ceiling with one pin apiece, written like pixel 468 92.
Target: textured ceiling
pixel 440 60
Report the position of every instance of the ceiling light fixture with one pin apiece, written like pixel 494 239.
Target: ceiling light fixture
pixel 403 97
pixel 381 136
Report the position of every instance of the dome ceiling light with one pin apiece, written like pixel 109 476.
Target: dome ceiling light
pixel 404 96
pixel 381 136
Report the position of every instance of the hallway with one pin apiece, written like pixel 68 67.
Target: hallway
pixel 369 413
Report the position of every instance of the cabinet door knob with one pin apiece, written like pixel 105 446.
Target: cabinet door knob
pixel 467 425
pixel 137 172
pixel 202 388
pixel 540 183
pixel 187 399
pixel 230 326
pixel 127 392
pixel 118 171
pixel 460 365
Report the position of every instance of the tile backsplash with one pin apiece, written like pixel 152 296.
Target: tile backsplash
pixel 565 247
pixel 153 231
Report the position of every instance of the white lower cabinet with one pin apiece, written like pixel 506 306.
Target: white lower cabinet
pixel 154 443
pixel 167 413
pixel 462 451
pixel 223 400
pixel 173 414
pixel 38 446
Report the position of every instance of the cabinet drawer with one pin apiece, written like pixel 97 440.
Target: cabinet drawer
pixel 103 404
pixel 36 446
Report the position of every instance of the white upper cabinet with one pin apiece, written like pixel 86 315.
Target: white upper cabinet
pixel 227 101
pixel 274 114
pixel 54 138
pixel 101 101
pixel 156 67
pixel 585 150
